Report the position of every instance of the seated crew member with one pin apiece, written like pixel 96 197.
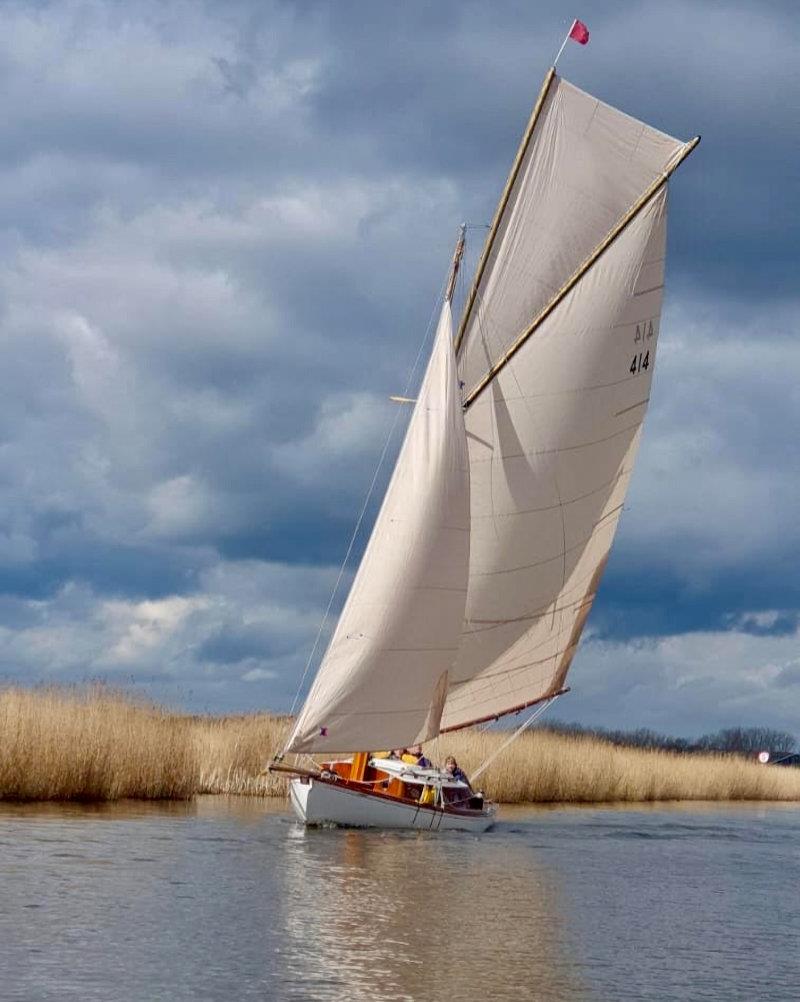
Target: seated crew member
pixel 414 756
pixel 452 768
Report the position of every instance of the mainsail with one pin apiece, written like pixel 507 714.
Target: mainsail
pixel 384 678
pixel 552 444
pixel 556 351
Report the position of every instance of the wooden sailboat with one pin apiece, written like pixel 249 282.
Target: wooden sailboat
pixel 488 549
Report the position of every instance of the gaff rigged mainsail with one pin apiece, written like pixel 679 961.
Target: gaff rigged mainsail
pixel 482 568
pixel 554 432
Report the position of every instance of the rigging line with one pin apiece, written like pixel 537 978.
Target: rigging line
pixel 527 723
pixel 368 497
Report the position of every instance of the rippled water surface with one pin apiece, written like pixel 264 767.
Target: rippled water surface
pixel 232 899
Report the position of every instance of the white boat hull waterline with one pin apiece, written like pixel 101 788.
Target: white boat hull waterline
pixel 319 803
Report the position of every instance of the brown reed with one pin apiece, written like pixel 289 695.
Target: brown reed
pixel 91 744
pixel 97 744
pixel 232 752
pixel 548 767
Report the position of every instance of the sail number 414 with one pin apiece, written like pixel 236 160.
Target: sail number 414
pixel 640 362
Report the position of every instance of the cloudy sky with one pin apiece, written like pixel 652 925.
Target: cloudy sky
pixel 223 228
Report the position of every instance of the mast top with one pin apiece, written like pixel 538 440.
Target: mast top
pixel 458 254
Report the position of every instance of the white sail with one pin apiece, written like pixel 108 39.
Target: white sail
pixel 383 680
pixel 487 553
pixel 585 166
pixel 552 443
pixel 554 434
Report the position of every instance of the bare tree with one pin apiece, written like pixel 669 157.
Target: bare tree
pixel 749 740
pixel 740 740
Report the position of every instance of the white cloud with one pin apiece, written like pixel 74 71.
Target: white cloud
pixel 249 622
pixel 222 229
pixel 718 468
pixel 687 683
pixel 140 629
pixel 180 506
pixel 348 428
pixel 258 675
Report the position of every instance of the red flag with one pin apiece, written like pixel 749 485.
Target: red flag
pixel 579 32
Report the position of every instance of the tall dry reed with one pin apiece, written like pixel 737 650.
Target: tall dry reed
pixel 548 767
pixel 232 752
pixel 58 744
pixel 65 744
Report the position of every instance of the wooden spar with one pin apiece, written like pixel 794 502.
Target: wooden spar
pixel 293 770
pixel 505 713
pixel 458 253
pixel 501 205
pixel 573 280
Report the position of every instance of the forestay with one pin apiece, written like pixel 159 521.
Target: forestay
pixel 553 436
pixel 383 680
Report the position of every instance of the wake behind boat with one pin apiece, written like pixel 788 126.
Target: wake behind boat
pixel 487 553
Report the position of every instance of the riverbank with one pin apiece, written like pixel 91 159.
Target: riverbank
pixel 94 745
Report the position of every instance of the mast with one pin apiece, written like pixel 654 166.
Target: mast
pixel 458 254
pixel 578 274
pixel 501 205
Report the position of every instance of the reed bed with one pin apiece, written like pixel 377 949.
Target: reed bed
pixel 548 767
pixel 232 752
pixel 96 744
pixel 65 744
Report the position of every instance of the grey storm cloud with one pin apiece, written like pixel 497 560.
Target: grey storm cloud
pixel 223 228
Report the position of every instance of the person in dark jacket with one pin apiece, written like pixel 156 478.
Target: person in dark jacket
pixel 452 768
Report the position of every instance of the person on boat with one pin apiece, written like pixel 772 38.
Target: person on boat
pixel 414 756
pixel 452 768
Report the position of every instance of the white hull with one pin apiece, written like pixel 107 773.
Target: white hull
pixel 321 803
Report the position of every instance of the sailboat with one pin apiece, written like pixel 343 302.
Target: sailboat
pixel 487 552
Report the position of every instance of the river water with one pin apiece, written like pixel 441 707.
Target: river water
pixel 229 898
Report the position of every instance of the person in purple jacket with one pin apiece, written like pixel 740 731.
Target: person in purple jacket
pixel 416 757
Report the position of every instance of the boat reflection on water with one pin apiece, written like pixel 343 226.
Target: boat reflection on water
pixel 413 916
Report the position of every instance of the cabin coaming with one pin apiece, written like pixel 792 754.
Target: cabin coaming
pixel 401 782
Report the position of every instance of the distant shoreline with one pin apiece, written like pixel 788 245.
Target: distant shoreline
pixel 91 744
